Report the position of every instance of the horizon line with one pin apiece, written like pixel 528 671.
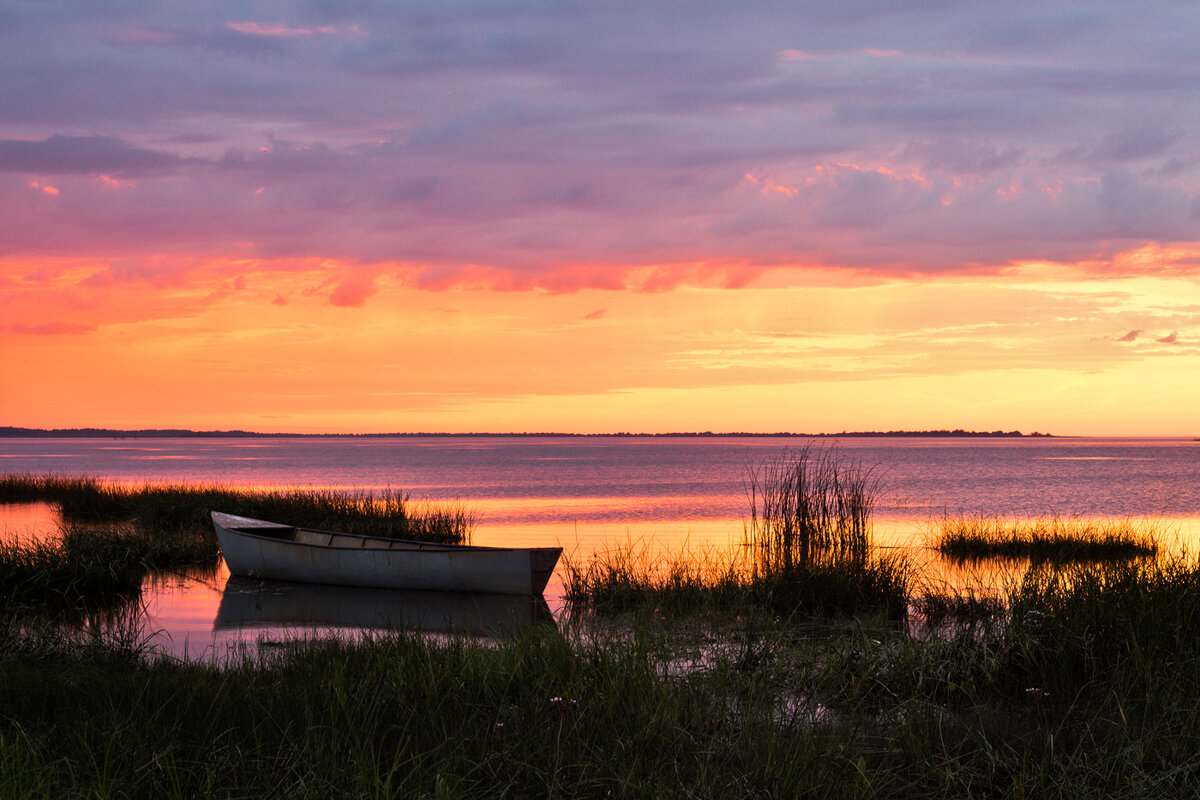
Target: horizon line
pixel 19 432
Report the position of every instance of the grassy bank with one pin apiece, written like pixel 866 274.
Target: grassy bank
pixel 1057 540
pixel 92 564
pixel 629 578
pixel 187 507
pixel 1088 690
pixel 113 536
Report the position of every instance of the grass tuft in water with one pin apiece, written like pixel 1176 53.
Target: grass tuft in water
pixel 959 607
pixel 1056 540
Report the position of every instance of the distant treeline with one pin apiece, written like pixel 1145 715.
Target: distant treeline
pixel 177 433
pixel 146 433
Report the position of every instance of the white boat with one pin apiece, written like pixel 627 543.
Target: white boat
pixel 256 548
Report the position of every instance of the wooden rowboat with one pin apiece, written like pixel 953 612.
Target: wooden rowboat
pixel 259 549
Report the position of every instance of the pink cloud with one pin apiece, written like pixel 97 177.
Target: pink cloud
pixel 1130 337
pixel 1170 338
pixel 353 291
pixel 266 29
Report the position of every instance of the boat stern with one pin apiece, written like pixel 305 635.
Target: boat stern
pixel 542 561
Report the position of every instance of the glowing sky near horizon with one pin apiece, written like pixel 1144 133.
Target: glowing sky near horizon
pixel 516 216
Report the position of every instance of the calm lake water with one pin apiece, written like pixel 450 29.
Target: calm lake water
pixel 587 493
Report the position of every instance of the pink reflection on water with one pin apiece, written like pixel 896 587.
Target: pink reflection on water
pixel 27 522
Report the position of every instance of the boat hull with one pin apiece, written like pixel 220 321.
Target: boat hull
pixel 254 548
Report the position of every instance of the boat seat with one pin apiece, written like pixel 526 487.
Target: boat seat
pixel 312 537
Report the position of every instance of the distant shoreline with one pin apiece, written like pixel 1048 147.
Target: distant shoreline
pixel 176 433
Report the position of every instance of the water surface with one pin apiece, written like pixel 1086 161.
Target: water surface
pixel 660 493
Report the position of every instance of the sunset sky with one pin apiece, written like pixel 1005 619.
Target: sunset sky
pixel 539 216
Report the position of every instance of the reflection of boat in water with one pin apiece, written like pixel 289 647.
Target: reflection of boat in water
pixel 260 549
pixel 254 603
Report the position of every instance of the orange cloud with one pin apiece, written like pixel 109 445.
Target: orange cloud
pixel 52 329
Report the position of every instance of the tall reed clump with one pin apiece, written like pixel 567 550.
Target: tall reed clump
pixel 809 505
pixel 809 536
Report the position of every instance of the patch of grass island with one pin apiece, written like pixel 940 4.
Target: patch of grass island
pixel 1055 540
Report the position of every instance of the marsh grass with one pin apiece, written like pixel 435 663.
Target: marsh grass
pixel 95 562
pixel 113 537
pixel 632 575
pixel 965 606
pixel 1078 625
pixel 169 508
pixel 80 563
pixel 1056 540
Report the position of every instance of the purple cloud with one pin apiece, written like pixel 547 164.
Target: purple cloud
pixel 568 147
pixel 83 154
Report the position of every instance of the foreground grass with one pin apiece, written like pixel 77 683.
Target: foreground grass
pixel 537 716
pixel 1088 690
pixel 1058 540
pixel 169 508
